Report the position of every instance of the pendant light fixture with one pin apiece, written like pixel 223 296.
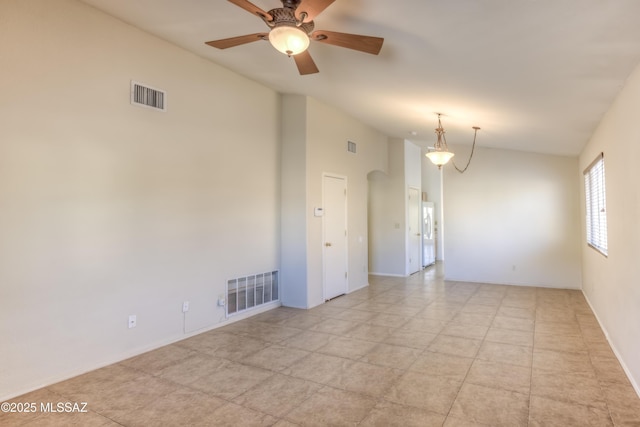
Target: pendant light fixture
pixel 440 155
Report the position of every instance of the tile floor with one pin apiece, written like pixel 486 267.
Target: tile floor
pixel 414 351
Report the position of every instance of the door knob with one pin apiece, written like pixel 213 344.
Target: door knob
pixel 327 244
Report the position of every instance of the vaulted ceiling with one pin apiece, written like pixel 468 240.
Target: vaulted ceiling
pixel 535 75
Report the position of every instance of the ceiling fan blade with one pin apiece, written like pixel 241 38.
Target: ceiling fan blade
pixel 305 63
pixel 237 41
pixel 365 44
pixel 252 8
pixel 313 8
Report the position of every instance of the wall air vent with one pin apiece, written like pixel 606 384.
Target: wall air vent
pixel 351 147
pixel 148 97
pixel 246 293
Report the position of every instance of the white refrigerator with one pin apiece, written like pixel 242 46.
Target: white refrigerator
pixel 428 234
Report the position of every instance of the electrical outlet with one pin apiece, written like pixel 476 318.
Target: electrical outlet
pixel 185 306
pixel 132 321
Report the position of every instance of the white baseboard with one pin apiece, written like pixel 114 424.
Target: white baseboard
pixel 387 275
pixel 366 285
pixel 530 285
pixel 46 382
pixel 627 371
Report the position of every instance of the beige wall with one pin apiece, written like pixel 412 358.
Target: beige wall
pixel 322 148
pixel 511 219
pixel 294 207
pixel 387 215
pixel 328 133
pixel 612 284
pixel 389 209
pixel 107 209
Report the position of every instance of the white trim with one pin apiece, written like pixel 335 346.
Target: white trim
pixel 366 285
pixel 407 234
pixel 531 285
pixel 387 274
pixel 441 225
pixel 346 237
pixel 596 205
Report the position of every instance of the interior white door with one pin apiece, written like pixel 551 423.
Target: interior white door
pixel 334 197
pixel 414 231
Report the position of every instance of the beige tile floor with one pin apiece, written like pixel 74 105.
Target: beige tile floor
pixel 408 352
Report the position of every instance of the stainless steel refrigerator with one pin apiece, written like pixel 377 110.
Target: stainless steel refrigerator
pixel 428 234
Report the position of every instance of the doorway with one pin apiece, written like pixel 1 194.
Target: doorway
pixel 414 231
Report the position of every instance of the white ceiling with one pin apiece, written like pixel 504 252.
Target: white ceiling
pixel 535 75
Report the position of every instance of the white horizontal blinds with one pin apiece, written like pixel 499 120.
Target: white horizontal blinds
pixel 594 185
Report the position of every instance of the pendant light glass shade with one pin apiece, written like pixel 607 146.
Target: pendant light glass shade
pixel 439 158
pixel 289 39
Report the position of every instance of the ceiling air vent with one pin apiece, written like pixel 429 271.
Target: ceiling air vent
pixel 351 147
pixel 148 97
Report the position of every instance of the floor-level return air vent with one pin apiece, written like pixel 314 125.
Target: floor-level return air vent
pixel 249 292
pixel 148 97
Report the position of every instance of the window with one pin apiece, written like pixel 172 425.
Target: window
pixel 594 187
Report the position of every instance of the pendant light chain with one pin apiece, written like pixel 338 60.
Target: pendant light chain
pixel 473 147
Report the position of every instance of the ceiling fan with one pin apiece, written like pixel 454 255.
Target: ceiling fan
pixel 292 28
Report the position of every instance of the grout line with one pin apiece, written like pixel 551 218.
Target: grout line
pixel 604 395
pixel 533 348
pixel 444 293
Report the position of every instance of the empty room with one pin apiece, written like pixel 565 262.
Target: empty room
pixel 319 212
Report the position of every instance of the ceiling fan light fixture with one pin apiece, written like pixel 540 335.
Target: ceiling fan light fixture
pixel 289 39
pixel 292 29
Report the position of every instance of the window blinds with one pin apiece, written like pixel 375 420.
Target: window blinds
pixel 594 185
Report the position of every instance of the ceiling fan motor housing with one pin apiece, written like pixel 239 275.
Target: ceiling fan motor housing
pixel 291 4
pixel 285 16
